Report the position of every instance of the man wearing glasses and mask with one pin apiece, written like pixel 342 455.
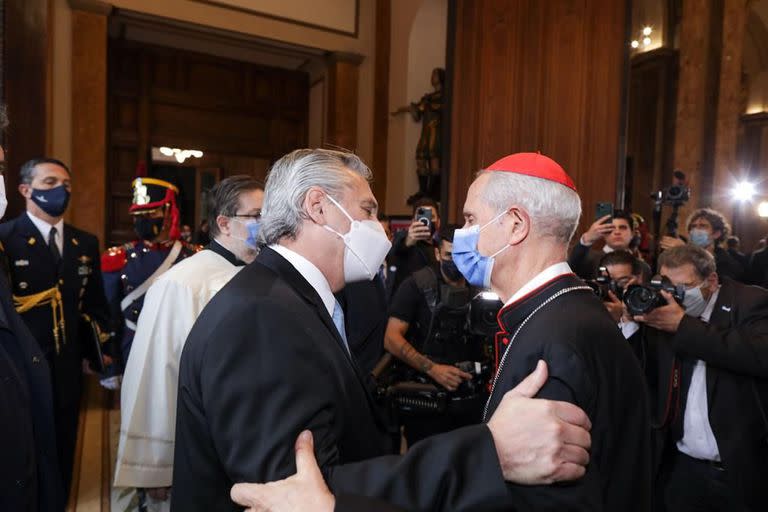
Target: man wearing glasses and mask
pixel 171 306
pixel 706 363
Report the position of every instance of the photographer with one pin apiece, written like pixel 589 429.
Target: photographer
pixel 708 229
pixel 706 362
pixel 619 235
pixel 413 250
pixel 418 309
pixel 623 270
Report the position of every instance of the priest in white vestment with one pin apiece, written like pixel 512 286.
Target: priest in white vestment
pixel 172 304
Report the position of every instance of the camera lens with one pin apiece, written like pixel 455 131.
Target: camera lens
pixel 640 300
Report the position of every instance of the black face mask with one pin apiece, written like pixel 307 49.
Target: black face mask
pixel 450 270
pixel 52 201
pixel 147 228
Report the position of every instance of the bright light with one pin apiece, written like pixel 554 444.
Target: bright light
pixel 762 210
pixel 634 44
pixel 743 191
pixel 646 41
pixel 489 296
pixel 181 154
pixel 647 31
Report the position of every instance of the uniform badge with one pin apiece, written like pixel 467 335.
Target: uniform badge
pixel 75 242
pixel 23 285
pixel 83 259
pixel 31 240
pixel 21 263
pixel 140 196
pixel 85 267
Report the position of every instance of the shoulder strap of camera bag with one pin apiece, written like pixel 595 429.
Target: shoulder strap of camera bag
pixel 426 282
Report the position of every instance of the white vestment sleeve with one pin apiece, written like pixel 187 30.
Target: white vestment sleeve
pixel 148 395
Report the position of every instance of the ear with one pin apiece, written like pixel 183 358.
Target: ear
pixel 437 253
pixel 25 190
pixel 716 235
pixel 519 225
pixel 314 205
pixel 712 280
pixel 224 224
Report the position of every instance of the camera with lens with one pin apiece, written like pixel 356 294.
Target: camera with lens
pixel 642 299
pixel 603 284
pixel 424 215
pixel 676 194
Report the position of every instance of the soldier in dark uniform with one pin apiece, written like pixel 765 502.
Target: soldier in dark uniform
pixel 56 281
pixel 131 268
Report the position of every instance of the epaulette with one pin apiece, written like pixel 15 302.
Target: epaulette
pixel 114 259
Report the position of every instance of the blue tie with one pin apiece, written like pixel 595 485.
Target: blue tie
pixel 338 321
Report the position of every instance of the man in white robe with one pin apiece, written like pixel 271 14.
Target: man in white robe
pixel 171 306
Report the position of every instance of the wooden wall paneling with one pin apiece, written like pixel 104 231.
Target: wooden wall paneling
pixel 89 125
pixel 242 116
pixel 27 81
pixel 381 99
pixel 341 122
pixel 538 76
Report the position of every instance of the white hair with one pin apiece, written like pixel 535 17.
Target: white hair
pixel 554 208
pixel 292 176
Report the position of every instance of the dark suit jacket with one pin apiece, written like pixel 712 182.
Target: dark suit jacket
pixel 366 316
pixel 32 270
pixel 590 365
pixel 734 344
pixel 758 268
pixel 29 472
pixel 263 362
pixel 728 266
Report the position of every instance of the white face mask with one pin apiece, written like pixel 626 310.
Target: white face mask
pixel 3 198
pixel 366 246
pixel 694 302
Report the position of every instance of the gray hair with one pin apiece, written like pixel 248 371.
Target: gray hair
pixel 291 177
pixel 676 257
pixel 554 208
pixel 27 173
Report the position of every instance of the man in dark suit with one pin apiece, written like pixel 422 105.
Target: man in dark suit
pixel 710 438
pixel 29 474
pixel 268 358
pixel 55 279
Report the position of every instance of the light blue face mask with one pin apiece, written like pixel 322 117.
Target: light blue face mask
pixel 700 237
pixel 253 227
pixel 475 267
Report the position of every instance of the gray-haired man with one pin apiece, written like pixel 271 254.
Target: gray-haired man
pixel 268 358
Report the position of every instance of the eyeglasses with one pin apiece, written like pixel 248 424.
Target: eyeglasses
pixel 256 215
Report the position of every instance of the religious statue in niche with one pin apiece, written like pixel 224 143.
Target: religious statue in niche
pixel 429 112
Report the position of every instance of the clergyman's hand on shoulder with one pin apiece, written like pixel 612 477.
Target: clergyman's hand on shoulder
pixel 306 490
pixel 539 441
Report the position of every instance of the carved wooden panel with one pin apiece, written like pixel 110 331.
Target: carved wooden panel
pixel 538 76
pixel 243 116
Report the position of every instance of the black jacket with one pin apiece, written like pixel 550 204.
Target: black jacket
pixel 29 472
pixel 734 344
pixel 590 365
pixel 408 260
pixel 32 270
pixel 263 362
pixel 758 268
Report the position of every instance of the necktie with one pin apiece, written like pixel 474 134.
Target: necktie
pixel 338 321
pixel 53 247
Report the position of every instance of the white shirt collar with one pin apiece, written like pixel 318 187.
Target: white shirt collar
pixel 45 229
pixel 710 306
pixel 607 249
pixel 545 276
pixel 311 273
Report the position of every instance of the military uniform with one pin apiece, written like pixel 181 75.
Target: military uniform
pixel 52 298
pixel 129 269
